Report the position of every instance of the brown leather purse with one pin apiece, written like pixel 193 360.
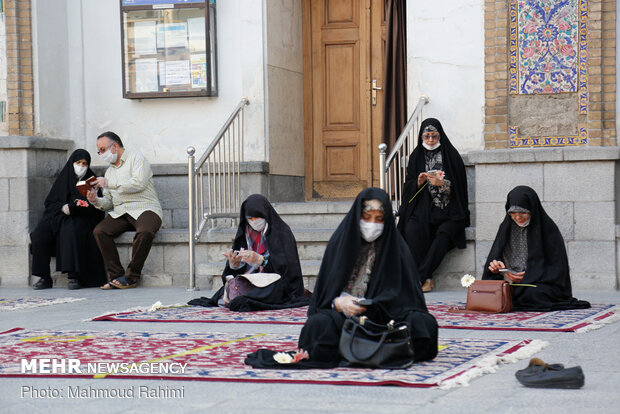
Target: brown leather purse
pixel 491 296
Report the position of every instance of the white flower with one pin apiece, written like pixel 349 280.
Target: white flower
pixel 283 358
pixel 467 280
pixel 155 306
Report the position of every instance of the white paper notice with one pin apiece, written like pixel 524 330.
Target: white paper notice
pixel 196 33
pixel 144 38
pixel 146 75
pixel 199 70
pixel 175 34
pixel 177 72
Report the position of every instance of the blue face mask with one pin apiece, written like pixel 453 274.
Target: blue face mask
pixel 370 231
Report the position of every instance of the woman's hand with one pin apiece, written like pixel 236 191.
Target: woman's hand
pixel 348 305
pixel 495 265
pixel 234 260
pixel 251 257
pixel 514 277
pixel 421 178
pixel 436 180
pixel 65 209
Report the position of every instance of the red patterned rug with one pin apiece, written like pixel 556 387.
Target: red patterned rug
pixel 220 356
pixel 578 320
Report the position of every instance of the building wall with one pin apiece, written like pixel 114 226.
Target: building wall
pixel 79 82
pixel 582 115
pixel 284 58
pixel 445 60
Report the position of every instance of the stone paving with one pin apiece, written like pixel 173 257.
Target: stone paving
pixel 598 352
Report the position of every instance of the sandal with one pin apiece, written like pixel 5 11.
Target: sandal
pixel 123 282
pixel 108 286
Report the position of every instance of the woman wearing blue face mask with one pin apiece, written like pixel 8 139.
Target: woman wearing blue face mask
pixel 66 230
pixel 366 258
pixel 262 269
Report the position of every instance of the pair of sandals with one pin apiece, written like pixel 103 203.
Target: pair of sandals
pixel 121 282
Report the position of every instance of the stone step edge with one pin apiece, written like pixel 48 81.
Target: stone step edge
pixel 308 268
pixel 180 236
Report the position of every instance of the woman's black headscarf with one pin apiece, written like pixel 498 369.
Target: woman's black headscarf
pixel 287 292
pixel 282 244
pixel 393 286
pixel 64 191
pixel 457 210
pixel 547 262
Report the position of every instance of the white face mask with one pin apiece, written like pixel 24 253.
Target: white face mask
pixel 370 231
pixel 431 147
pixel 108 156
pixel 79 170
pixel 257 224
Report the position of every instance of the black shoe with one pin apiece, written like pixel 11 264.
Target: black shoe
pixel 541 375
pixel 74 284
pixel 43 283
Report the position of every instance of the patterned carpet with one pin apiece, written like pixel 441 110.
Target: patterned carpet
pixel 219 357
pixel 579 320
pixel 10 304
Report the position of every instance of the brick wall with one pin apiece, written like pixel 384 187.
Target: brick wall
pixel 19 67
pixel 601 68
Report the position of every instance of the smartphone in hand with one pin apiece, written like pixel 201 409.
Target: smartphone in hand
pixel 365 302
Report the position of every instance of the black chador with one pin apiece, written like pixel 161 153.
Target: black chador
pixel 283 259
pixel 393 287
pixel 434 221
pixel 69 237
pixel 545 257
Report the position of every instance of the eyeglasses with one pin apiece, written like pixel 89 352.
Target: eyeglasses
pixel 101 151
pixel 430 135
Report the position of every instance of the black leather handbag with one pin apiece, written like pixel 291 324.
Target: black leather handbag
pixel 371 345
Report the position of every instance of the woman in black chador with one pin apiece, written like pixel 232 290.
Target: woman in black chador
pixel 434 210
pixel 365 258
pixel 66 230
pixel 262 267
pixel 530 245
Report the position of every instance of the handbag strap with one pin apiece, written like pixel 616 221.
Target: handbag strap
pixel 381 341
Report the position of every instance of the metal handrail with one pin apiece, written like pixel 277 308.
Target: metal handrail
pixel 219 195
pixel 393 168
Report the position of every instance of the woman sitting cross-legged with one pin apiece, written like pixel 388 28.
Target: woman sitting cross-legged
pixel 365 258
pixel 530 245
pixel 262 270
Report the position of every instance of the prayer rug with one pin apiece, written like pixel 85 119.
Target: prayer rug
pixel 576 320
pixel 187 313
pixel 220 356
pixel 10 304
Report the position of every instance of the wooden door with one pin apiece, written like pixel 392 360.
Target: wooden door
pixel 339 118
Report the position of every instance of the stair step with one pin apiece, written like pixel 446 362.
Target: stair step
pixel 308 268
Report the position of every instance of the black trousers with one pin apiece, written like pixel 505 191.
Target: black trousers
pixel 428 250
pixel 43 247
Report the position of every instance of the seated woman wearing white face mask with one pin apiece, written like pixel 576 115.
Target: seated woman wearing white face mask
pixel 262 269
pixel 66 230
pixel 365 258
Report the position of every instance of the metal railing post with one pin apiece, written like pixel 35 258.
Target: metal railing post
pixel 382 155
pixel 191 177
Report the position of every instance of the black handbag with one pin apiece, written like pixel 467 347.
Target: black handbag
pixel 371 345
